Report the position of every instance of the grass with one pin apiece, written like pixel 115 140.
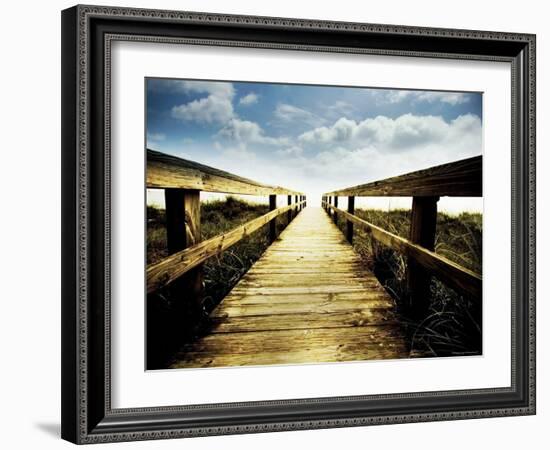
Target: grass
pixel 453 324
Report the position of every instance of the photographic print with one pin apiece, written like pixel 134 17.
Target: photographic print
pixel 299 224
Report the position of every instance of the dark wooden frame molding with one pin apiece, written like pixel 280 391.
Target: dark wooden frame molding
pixel 87 33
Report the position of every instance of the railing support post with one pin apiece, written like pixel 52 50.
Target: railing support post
pixel 170 321
pixel 422 232
pixel 289 212
pixel 273 223
pixel 351 210
pixel 335 216
pixel 183 229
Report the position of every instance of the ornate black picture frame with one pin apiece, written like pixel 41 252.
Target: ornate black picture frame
pixel 87 34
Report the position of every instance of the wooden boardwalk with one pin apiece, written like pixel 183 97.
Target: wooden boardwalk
pixel 308 299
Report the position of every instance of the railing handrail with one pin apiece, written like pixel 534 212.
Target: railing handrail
pixel 167 171
pixel 177 264
pixel 458 277
pixel 461 178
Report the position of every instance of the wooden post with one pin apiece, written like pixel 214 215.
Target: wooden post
pixel 183 229
pixel 273 223
pixel 289 212
pixel 351 210
pixel 335 216
pixel 422 232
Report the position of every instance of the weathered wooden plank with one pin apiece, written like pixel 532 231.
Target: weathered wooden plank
pixel 303 282
pixel 459 278
pixel 302 308
pixel 311 320
pixel 301 355
pixel 174 266
pixel 458 179
pixel 167 171
pixel 355 300
pixel 294 346
pixel 303 290
pixel 305 278
pixel 300 270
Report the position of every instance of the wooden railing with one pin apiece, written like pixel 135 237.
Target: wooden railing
pixel 182 182
pixel 458 179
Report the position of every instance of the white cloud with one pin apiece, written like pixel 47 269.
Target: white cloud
pixel 288 113
pixel 401 134
pixel 397 96
pixel 355 153
pixel 211 109
pixel 246 131
pixel 217 88
pixel 249 99
pixel 217 107
pixel 342 130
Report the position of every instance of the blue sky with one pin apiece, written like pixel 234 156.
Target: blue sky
pixel 311 138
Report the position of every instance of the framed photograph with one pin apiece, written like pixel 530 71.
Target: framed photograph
pixel 281 224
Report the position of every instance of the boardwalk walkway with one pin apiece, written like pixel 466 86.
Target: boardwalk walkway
pixel 307 299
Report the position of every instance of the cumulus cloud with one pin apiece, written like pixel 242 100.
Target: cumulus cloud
pixel 248 132
pixel 288 113
pixel 249 99
pixel 211 109
pixel 215 108
pixel 400 134
pixel 357 152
